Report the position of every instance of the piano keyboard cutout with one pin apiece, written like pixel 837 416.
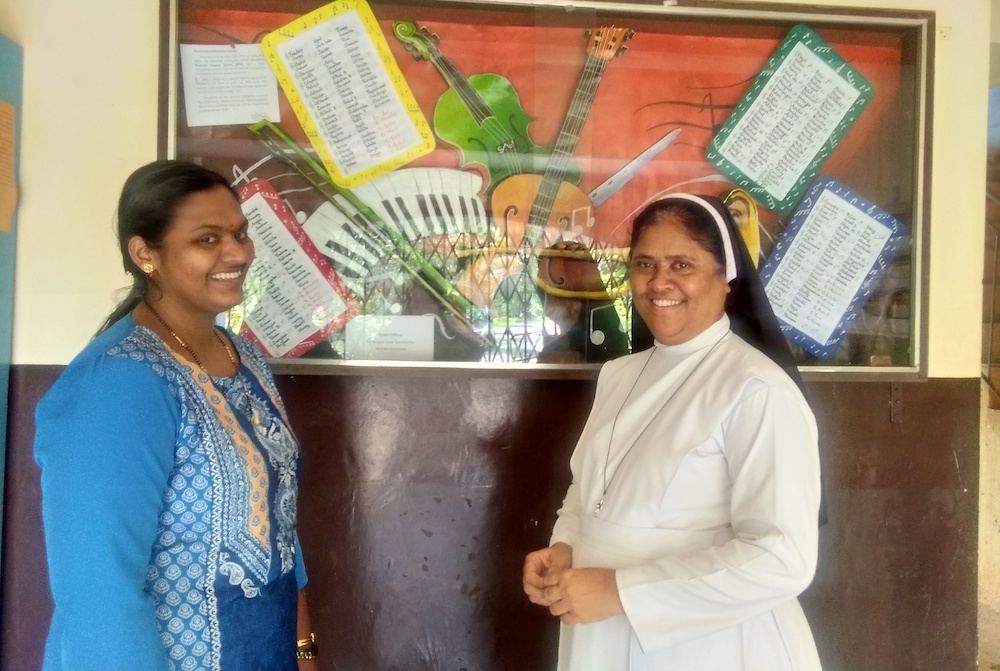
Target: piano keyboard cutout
pixel 417 202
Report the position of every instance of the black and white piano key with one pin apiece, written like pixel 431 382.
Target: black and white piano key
pixel 422 202
pixel 351 249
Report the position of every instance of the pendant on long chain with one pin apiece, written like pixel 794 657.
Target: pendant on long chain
pixel 599 507
pixel 254 417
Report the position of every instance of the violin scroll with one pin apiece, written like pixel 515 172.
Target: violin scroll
pixel 420 42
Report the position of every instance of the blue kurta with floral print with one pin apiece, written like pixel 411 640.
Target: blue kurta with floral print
pixel 169 504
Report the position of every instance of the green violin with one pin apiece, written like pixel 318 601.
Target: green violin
pixel 480 115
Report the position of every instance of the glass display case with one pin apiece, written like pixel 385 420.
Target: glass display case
pixel 451 184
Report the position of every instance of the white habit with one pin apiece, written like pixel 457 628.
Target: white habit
pixel 709 516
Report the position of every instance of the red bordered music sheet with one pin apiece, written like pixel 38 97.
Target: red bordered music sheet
pixel 293 298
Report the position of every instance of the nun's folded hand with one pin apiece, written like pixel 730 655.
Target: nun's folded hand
pixel 542 565
pixel 579 596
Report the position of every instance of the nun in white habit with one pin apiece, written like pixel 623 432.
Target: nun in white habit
pixel 690 526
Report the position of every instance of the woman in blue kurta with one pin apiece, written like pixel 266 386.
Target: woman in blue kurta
pixel 169 472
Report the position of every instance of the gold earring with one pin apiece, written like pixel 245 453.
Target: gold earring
pixel 147 268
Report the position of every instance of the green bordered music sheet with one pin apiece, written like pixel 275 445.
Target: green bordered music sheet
pixel 790 121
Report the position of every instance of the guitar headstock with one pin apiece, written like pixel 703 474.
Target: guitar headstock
pixel 606 43
pixel 420 42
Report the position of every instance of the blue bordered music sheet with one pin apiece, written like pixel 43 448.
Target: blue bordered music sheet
pixel 827 263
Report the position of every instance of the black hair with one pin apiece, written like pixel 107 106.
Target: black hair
pixel 146 208
pixel 697 222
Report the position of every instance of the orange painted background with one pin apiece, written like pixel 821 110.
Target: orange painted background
pixel 674 73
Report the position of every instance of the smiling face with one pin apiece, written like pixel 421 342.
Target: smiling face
pixel 677 286
pixel 202 259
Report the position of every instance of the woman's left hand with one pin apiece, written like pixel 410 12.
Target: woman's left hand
pixel 308 665
pixel 583 595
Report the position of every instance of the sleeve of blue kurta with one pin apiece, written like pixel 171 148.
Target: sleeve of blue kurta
pixel 770 443
pixel 105 443
pixel 301 577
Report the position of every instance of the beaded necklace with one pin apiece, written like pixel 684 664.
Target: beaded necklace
pixel 254 418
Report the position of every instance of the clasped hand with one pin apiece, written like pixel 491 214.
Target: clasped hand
pixel 575 596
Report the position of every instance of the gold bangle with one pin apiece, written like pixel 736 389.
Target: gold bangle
pixel 306 648
pixel 312 653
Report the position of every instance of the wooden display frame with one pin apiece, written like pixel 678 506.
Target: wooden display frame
pixel 675 112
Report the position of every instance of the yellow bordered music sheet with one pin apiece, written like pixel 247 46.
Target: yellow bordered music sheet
pixel 348 93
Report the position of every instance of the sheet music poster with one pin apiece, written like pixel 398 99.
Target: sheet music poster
pixel 791 119
pixel 293 298
pixel 827 263
pixel 348 93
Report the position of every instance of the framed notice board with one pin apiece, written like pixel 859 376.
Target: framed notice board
pixel 455 181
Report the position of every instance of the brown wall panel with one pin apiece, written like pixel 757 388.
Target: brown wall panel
pixel 419 499
pixel 420 496
pixel 25 602
pixel 896 583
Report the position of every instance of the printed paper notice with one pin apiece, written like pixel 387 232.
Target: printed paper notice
pixel 399 338
pixel 227 84
pixel 8 181
pixel 348 92
pixel 293 298
pixel 827 263
pixel 794 115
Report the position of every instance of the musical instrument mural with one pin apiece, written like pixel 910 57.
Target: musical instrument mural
pixel 431 223
pixel 532 212
pixel 535 208
pixel 373 234
pixel 542 158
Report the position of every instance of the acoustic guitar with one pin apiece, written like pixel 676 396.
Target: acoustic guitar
pixel 531 210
